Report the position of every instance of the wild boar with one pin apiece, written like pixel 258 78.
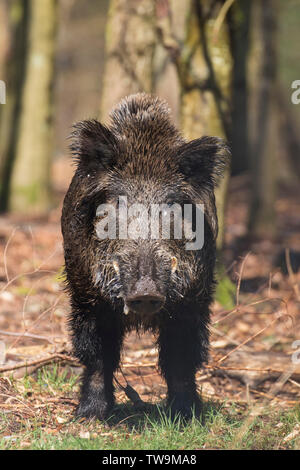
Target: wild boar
pixel 120 283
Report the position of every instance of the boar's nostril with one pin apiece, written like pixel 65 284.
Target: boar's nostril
pixel 145 303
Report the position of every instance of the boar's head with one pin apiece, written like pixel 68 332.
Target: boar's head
pixel 141 158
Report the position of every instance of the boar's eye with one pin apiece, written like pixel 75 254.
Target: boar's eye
pixel 173 198
pixel 178 199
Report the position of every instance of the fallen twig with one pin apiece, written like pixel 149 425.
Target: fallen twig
pixel 26 334
pixel 40 362
pixel 35 322
pixel 249 339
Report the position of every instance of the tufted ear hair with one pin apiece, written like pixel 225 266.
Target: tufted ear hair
pixel 203 161
pixel 93 145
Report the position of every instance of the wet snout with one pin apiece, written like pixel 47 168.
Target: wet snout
pixel 145 298
pixel 145 304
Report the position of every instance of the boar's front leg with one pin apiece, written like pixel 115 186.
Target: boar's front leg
pixel 183 347
pixel 97 339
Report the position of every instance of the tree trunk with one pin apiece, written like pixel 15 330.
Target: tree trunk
pixel 205 105
pixel 4 38
pixel 265 144
pixel 130 45
pixel 30 185
pixel 204 66
pixel 13 62
pixel 289 141
pixel 239 22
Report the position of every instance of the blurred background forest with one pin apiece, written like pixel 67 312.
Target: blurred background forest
pixel 226 68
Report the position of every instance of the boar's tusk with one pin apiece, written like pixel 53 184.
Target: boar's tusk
pixel 116 267
pixel 174 264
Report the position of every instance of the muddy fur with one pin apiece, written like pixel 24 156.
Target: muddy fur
pixel 140 155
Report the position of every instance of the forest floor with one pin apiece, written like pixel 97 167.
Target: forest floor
pixel 252 380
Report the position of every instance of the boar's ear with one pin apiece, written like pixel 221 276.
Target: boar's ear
pixel 92 144
pixel 204 160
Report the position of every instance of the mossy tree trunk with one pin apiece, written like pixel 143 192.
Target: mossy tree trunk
pixel 30 184
pixel 14 40
pixel 130 46
pixel 205 67
pixel 205 104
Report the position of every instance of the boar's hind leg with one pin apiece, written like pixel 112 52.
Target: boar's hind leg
pixel 183 346
pixel 97 346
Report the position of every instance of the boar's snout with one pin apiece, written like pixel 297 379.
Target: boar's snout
pixel 145 304
pixel 144 297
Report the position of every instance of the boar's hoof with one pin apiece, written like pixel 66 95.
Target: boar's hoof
pixel 92 410
pixel 182 407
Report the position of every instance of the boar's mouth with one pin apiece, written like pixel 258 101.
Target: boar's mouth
pixel 144 298
pixel 144 304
